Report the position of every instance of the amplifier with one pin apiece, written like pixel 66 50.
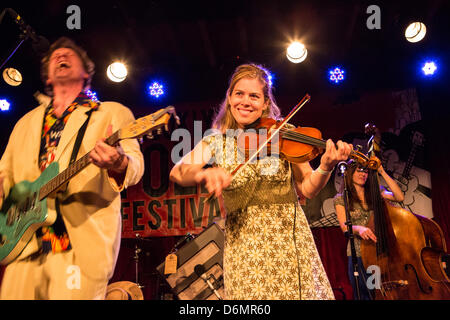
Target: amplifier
pixel 199 273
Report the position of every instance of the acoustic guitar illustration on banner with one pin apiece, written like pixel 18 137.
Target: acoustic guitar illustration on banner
pixel 413 181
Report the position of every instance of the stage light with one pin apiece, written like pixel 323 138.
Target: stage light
pixel 296 52
pixel 429 68
pixel 4 105
pixel 415 32
pixel 92 95
pixel 336 75
pixel 12 77
pixel 270 78
pixel 117 72
pixel 156 90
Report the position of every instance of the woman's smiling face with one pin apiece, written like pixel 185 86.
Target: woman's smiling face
pixel 247 101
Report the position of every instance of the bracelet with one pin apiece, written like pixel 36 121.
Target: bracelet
pixel 322 172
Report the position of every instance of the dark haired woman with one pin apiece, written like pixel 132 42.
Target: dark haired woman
pixel 360 207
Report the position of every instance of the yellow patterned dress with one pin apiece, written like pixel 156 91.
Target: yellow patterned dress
pixel 269 250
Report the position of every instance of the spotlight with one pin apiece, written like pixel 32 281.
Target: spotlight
pixel 336 75
pixel 117 72
pixel 429 68
pixel 415 32
pixel 4 105
pixel 12 77
pixel 296 52
pixel 156 90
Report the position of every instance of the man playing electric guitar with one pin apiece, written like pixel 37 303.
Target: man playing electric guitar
pixel 74 257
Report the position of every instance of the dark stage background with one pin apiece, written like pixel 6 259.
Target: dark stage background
pixel 193 47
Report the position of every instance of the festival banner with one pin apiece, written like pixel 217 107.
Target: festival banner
pixel 158 207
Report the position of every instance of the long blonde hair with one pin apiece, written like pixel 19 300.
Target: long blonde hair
pixel 224 119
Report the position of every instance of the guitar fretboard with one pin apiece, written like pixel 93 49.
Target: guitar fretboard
pixel 72 170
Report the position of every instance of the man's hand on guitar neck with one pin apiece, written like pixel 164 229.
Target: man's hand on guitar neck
pixel 109 157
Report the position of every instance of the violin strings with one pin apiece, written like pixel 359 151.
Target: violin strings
pixel 292 135
pixel 302 137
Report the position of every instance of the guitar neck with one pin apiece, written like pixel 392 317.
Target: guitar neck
pixel 72 170
pixel 409 162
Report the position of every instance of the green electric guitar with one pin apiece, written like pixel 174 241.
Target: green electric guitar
pixel 25 209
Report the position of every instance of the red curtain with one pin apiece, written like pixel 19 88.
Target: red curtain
pixel 440 175
pixel 332 247
pixel 433 100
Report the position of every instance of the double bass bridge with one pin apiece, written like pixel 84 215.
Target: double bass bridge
pixel 391 285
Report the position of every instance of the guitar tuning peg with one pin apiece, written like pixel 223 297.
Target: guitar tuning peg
pixel 358 147
pixel 159 131
pixel 150 135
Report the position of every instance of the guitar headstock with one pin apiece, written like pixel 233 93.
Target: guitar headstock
pixel 417 139
pixel 148 124
pixel 374 142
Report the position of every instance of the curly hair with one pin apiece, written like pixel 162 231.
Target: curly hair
pixel 224 119
pixel 65 42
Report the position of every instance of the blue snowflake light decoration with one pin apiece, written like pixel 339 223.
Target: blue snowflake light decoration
pixel 4 105
pixel 92 95
pixel 429 68
pixel 156 90
pixel 336 75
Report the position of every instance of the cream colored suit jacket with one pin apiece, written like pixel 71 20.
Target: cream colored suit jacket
pixel 91 204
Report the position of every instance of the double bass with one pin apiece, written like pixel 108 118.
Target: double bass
pixel 408 254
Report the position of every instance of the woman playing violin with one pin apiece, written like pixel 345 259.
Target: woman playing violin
pixel 360 207
pixel 269 249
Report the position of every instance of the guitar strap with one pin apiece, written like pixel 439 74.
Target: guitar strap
pixel 76 146
pixel 80 136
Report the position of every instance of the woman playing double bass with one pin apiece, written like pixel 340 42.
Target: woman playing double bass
pixel 361 208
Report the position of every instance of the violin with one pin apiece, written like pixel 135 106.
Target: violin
pixel 296 145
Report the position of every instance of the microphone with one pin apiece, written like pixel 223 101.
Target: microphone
pixel 342 166
pixel 201 272
pixel 39 43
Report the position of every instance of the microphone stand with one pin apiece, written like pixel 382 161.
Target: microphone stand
pixel 26 32
pixel 343 169
pixel 137 250
pixel 23 38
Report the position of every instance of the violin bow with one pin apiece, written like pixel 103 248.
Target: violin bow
pixel 241 166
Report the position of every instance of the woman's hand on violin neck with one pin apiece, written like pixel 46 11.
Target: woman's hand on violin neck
pixel 215 180
pixel 335 153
